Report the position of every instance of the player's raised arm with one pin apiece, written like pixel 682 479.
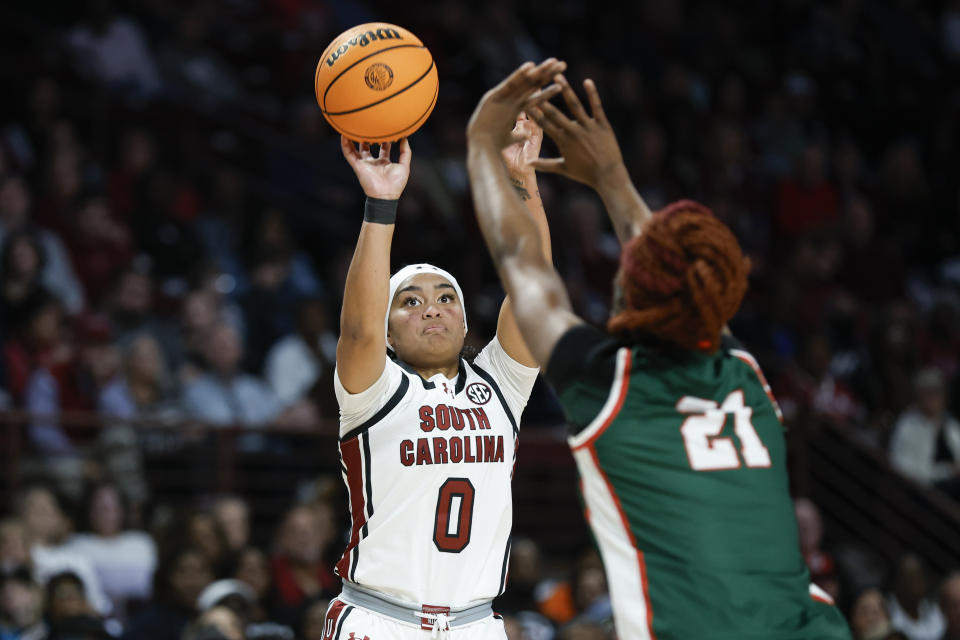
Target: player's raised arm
pixel 590 154
pixel 361 352
pixel 518 158
pixel 540 302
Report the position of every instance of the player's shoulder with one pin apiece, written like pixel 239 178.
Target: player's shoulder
pixel 583 354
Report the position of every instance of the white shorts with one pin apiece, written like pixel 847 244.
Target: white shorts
pixel 350 622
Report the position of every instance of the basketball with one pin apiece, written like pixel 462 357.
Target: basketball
pixel 376 83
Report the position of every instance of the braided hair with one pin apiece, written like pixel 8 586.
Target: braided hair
pixel 681 279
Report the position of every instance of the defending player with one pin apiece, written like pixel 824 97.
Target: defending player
pixel 427 440
pixel 676 436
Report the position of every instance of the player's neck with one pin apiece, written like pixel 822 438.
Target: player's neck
pixel 449 372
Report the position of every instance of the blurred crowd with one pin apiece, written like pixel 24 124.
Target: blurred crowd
pixel 93 569
pixel 176 222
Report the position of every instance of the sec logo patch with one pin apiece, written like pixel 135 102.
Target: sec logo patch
pixel 478 392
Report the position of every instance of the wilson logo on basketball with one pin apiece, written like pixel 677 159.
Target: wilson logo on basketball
pixel 378 76
pixel 478 392
pixel 363 39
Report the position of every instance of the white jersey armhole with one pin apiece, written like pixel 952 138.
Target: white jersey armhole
pixel 514 379
pixel 356 408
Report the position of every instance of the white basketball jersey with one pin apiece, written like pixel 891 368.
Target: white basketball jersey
pixel 428 466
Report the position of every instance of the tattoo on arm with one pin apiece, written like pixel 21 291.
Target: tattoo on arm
pixel 521 190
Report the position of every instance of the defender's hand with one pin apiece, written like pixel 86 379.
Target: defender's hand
pixel 496 114
pixel 379 177
pixel 588 144
pixel 520 155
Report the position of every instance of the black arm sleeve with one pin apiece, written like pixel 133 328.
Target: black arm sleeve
pixel 573 355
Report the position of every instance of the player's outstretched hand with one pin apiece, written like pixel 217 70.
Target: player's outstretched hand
pixel 495 116
pixel 378 175
pixel 587 143
pixel 520 155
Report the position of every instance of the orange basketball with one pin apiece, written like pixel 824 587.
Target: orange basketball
pixel 376 82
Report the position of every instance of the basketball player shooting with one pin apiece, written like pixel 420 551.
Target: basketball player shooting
pixel 427 439
pixel 676 436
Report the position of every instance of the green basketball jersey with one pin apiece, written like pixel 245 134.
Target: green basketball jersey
pixel 682 464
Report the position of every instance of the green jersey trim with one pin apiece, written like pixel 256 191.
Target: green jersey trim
pixel 747 357
pixel 618 392
pixel 623 561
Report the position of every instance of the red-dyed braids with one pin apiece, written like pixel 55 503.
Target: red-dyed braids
pixel 683 278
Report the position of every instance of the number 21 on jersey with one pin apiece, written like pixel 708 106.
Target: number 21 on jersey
pixel 706 450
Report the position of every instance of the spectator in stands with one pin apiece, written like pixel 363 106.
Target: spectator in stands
pixel 111 49
pixel 14 549
pixel 313 619
pixel 21 265
pixel 950 606
pixel 217 623
pixel 232 514
pixel 124 560
pixel 46 526
pixel 203 532
pixel 808 201
pixel 299 564
pixel 300 365
pixel 911 610
pixel 250 565
pixel 192 70
pixel 131 310
pixel 68 378
pixel 57 274
pixel 144 388
pixel 810 533
pixel 21 607
pixel 182 574
pixel 67 610
pixel 925 445
pixel 869 619
pixel 99 244
pixel 225 396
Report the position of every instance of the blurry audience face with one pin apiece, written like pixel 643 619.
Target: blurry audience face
pixel 302 537
pixel 911 584
pixel 67 598
pixel 106 512
pixel 950 603
pixel 14 202
pixel 224 619
pixel 234 518
pixel 44 520
pixel 809 524
pixel 14 550
pixel 188 577
pixel 24 261
pixel 524 563
pixel 20 603
pixel 512 628
pixel 313 621
pixel 133 296
pixel 65 173
pixel 930 393
pixel 254 569
pixel 205 534
pixel 46 328
pixel 812 165
pixel 312 319
pixel 223 350
pixel 144 360
pixel 591 585
pixel 138 151
pixel 868 616
pixel 199 310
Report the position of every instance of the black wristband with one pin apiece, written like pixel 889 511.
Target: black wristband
pixel 380 211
